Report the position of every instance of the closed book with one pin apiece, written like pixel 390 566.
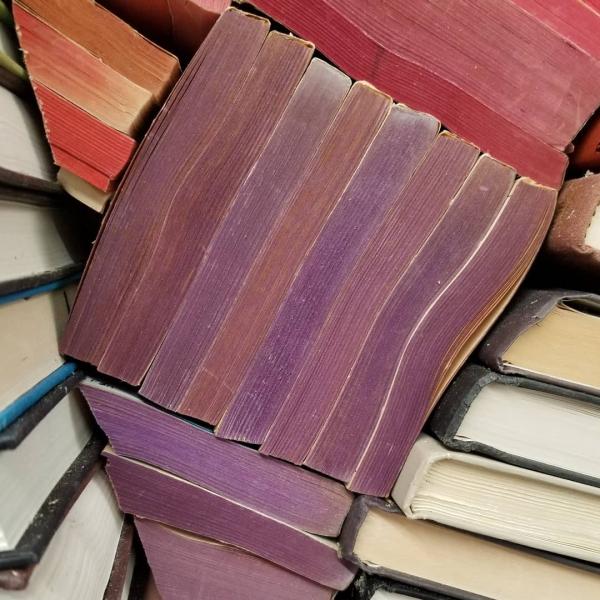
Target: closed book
pixel 573 242
pixel 182 564
pixel 521 421
pixel 499 500
pixel 79 560
pixel 34 520
pixel 150 493
pixel 389 45
pixel 25 158
pixel 455 564
pixel 290 494
pixel 40 240
pixel 372 587
pixel 549 335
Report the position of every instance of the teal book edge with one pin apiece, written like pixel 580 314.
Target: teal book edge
pixel 31 396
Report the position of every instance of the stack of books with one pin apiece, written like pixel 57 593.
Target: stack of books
pixel 96 92
pixel 273 326
pixel 306 268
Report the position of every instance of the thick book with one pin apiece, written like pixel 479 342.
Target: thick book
pixel 452 563
pixel 182 564
pixel 79 560
pixel 549 335
pixel 521 421
pixel 150 493
pixel 295 496
pixel 234 310
pixel 573 242
pixel 40 240
pixel 37 524
pixel 32 322
pixel 499 500
pixel 391 44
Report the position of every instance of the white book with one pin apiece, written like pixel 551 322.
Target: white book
pixel 78 561
pixel 499 500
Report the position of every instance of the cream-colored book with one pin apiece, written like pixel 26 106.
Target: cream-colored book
pixel 501 501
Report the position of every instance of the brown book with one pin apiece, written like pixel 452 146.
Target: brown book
pixel 573 242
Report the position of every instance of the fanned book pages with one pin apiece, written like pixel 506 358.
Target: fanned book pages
pixel 573 242
pixel 453 563
pixel 517 105
pixel 521 421
pixel 183 564
pixel 287 311
pixel 549 335
pixel 499 500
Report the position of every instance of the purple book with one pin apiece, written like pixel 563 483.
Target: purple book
pixel 385 261
pixel 450 329
pixel 147 492
pixel 296 496
pixel 260 201
pixel 221 371
pixel 198 198
pixel 401 144
pixel 188 566
pixel 196 110
pixel 342 439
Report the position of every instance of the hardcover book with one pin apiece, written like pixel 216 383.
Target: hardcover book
pixel 521 421
pixel 79 559
pixel 499 500
pixel 549 335
pixel 40 240
pixel 31 322
pixel 573 242
pixel 449 562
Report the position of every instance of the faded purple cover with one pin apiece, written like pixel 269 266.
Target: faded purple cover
pixel 398 148
pixel 193 567
pixel 296 496
pixel 528 308
pixel 153 494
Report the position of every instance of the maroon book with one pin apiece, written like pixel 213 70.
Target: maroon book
pixel 521 114
pixel 147 492
pixel 189 566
